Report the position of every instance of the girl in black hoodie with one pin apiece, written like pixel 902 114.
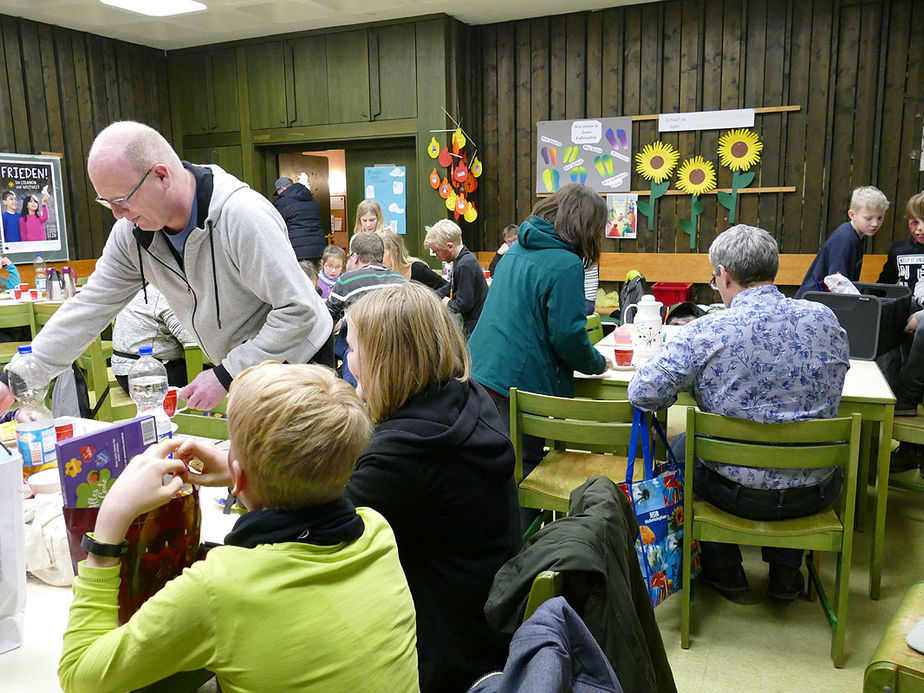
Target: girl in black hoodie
pixel 439 467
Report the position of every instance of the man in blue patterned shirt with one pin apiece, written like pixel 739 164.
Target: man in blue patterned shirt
pixel 767 358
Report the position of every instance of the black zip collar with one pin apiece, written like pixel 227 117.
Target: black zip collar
pixel 204 187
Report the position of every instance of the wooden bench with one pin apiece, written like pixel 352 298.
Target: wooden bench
pixel 895 666
pixel 695 267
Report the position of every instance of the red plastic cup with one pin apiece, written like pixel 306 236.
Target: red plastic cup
pixel 34 294
pixel 24 287
pixel 623 355
pixel 64 430
pixel 17 293
pixel 171 401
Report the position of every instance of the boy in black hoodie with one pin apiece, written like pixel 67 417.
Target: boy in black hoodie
pixel 905 266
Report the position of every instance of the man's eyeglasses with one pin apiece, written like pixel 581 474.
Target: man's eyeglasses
pixel 712 284
pixel 123 201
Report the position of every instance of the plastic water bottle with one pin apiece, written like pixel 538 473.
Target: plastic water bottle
pixel 35 425
pixel 147 386
pixel 39 265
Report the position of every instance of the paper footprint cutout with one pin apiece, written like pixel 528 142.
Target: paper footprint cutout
pixel 550 178
pixel 553 155
pixel 598 164
pixel 611 138
pixel 545 155
pixel 623 140
pixel 608 163
pixel 579 175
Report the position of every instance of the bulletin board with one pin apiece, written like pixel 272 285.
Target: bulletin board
pixel 596 152
pixel 387 185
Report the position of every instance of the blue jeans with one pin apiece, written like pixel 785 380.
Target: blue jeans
pixel 769 505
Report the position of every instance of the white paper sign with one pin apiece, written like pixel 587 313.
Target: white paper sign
pixel 706 120
pixel 586 131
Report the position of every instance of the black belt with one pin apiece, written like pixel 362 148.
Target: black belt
pixel 775 496
pixel 125 355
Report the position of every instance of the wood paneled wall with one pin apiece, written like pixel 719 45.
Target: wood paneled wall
pixel 60 88
pixel 855 68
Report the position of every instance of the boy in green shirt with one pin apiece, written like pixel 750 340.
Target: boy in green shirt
pixel 306 594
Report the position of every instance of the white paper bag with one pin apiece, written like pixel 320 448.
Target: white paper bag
pixel 12 551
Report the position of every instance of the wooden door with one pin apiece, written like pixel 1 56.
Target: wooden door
pixel 348 76
pixel 266 81
pixel 309 65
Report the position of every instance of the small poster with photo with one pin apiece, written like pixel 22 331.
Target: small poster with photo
pixel 622 216
pixel 32 202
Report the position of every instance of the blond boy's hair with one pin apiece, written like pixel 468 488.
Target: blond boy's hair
pixel 915 207
pixel 421 346
pixel 868 197
pixel 442 233
pixel 297 430
pixel 333 251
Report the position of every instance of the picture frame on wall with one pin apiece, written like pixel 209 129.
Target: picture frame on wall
pixel 33 215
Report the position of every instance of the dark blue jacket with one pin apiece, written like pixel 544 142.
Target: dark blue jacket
pixel 842 252
pixel 553 651
pixel 532 331
pixel 302 215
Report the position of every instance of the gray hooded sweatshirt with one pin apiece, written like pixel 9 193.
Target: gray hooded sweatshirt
pixel 240 292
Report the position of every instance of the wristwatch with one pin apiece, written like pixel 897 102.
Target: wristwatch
pixel 97 548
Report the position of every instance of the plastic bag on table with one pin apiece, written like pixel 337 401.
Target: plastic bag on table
pixel 837 283
pixel 160 544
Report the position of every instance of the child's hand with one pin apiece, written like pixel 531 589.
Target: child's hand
pixel 5 261
pixel 206 464
pixel 139 488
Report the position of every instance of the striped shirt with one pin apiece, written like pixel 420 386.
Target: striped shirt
pixel 356 283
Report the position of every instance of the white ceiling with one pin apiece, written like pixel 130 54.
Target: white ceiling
pixel 229 20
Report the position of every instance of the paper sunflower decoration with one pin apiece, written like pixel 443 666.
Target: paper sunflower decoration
pixel 695 177
pixel 738 150
pixel 656 162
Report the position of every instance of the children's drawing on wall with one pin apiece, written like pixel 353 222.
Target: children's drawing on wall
pixel 32 207
pixel 596 152
pixel 738 150
pixel 622 214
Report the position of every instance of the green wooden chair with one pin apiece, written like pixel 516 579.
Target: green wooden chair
pixel 572 427
pixel 546 585
pixel 908 429
pixel 92 362
pixel 201 425
pixel 803 444
pixel 14 315
pixel 594 328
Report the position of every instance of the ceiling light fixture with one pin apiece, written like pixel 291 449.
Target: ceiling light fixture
pixel 157 8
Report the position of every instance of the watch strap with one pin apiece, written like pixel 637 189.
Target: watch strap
pixel 97 548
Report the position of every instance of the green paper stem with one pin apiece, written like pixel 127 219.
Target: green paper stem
pixel 730 200
pixel 689 225
pixel 647 208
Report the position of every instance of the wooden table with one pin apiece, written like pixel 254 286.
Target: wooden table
pixel 866 392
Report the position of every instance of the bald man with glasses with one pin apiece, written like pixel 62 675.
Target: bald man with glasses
pixel 217 250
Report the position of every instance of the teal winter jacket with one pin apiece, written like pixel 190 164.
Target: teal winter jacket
pixel 532 332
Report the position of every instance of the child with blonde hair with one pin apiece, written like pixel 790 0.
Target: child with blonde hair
pixel 369 217
pixel 333 262
pixel 468 289
pixel 843 251
pixel 438 457
pixel 307 593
